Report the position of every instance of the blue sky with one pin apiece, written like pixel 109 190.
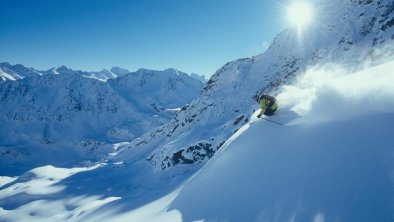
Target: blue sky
pixel 190 35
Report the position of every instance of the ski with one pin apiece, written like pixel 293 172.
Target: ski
pixel 272 121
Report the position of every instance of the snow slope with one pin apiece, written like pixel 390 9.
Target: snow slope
pixel 323 165
pixel 66 117
pixel 332 161
pixel 14 72
pixel 169 88
pixel 345 32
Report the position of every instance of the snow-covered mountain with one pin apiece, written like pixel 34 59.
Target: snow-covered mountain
pixel 332 161
pixel 327 163
pixel 173 91
pixel 345 32
pixel 106 74
pixel 18 71
pixel 72 115
pixel 14 72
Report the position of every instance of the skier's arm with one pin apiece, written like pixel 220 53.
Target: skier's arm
pixel 262 111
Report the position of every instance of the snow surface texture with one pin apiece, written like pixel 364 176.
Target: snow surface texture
pixel 332 161
pixel 68 118
pixel 326 167
pixel 346 33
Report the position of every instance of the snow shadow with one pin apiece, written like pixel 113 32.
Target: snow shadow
pixel 111 189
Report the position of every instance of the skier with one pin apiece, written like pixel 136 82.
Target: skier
pixel 268 105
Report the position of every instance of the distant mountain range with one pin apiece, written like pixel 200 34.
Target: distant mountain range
pixel 18 71
pixel 79 113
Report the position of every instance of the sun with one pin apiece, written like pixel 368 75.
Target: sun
pixel 299 14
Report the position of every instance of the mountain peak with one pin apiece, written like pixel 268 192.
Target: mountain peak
pixel 172 70
pixel 5 64
pixel 119 71
pixel 62 68
pixel 202 78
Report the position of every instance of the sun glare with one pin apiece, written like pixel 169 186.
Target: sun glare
pixel 299 14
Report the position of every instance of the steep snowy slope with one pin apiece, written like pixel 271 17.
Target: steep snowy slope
pixel 57 118
pixel 345 32
pixel 332 161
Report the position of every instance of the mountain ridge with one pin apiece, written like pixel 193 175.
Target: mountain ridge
pixel 354 35
pixel 19 71
pixel 75 113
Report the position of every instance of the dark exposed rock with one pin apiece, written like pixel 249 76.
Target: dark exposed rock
pixel 239 119
pixel 198 152
pixel 388 24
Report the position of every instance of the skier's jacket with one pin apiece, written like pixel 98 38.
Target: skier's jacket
pixel 268 105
